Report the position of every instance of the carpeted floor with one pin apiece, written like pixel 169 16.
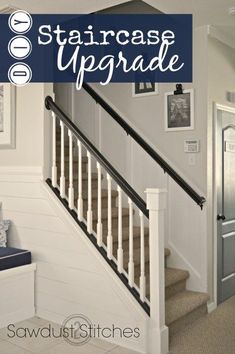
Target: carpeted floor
pixel 212 334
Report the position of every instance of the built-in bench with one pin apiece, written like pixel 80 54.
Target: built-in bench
pixel 17 286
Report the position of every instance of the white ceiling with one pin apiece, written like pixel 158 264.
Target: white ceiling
pixel 60 6
pixel 205 12
pixel 213 12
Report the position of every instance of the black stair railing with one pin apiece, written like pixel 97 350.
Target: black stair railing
pixel 130 192
pixel 200 200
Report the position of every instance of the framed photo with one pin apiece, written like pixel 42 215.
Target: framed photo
pixel 179 111
pixel 140 89
pixel 7 116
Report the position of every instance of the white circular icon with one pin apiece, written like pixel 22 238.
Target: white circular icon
pixel 19 47
pixel 20 74
pixel 20 22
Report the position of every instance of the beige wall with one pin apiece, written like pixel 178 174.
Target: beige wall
pixel 147 115
pixel 221 71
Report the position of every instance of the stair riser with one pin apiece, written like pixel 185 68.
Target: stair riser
pixel 125 223
pixel 136 259
pixel 75 169
pixel 187 320
pixel 104 203
pixel 84 186
pixel 136 254
pixel 175 288
pixel 66 151
pixel 125 243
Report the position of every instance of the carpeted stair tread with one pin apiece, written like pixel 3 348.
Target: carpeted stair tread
pixel 125 233
pixel 173 276
pixel 75 159
pixel 125 212
pixel 183 303
pixel 136 257
pixel 182 306
pixel 125 238
pixel 94 176
pixel 94 180
pixel 94 195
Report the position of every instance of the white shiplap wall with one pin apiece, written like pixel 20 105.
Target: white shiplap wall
pixel 71 276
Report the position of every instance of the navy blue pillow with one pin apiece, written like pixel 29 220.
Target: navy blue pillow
pixel 13 257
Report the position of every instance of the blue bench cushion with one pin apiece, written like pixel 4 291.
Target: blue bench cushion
pixel 13 257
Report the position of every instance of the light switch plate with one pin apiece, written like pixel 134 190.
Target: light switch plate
pixel 191 160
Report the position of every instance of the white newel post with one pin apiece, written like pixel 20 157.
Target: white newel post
pixel 156 204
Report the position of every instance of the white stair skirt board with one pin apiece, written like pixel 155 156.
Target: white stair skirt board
pixel 17 294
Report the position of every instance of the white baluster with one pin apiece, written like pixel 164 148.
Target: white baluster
pixel 62 176
pixel 89 210
pixel 80 200
pixel 109 236
pixel 99 209
pixel 71 189
pixel 131 266
pixel 142 259
pixel 54 167
pixel 120 249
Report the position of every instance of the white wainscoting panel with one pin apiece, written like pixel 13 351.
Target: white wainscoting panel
pixel 71 276
pixel 187 236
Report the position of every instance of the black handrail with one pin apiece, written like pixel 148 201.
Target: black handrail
pixel 156 157
pixel 131 193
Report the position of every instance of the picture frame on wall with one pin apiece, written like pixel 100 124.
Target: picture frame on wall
pixel 179 111
pixel 7 116
pixel 141 89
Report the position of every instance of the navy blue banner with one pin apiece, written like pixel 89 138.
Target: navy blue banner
pixel 95 48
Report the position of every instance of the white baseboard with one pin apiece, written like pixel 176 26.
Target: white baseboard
pixel 211 307
pixel 177 260
pixel 17 316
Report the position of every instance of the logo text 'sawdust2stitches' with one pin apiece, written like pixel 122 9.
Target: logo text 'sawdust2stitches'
pixel 161 41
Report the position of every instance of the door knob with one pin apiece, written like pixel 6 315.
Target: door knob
pixel 221 217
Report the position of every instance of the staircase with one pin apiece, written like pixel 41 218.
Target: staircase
pixel 182 306
pixel 125 230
